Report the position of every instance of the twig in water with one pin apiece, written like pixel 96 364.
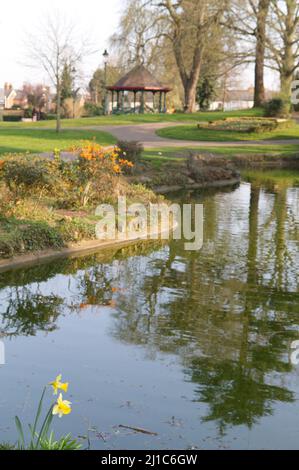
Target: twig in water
pixel 142 431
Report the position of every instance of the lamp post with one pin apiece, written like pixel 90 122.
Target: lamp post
pixel 106 57
pixel 74 94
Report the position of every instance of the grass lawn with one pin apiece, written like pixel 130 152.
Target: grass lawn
pixel 290 177
pixel 38 141
pixel 160 156
pixel 128 119
pixel 191 132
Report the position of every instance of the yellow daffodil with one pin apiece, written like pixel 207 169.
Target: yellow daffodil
pixel 58 385
pixel 62 407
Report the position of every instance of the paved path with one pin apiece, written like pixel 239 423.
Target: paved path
pixel 146 134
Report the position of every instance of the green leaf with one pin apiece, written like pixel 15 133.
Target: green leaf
pixel 45 427
pixel 64 443
pixel 39 410
pixel 20 430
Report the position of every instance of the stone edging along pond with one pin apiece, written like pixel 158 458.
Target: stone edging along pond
pixel 165 189
pixel 72 250
pixel 82 248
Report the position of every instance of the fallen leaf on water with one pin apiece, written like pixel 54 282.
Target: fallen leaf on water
pixel 82 306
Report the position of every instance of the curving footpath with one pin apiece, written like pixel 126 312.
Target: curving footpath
pixel 146 134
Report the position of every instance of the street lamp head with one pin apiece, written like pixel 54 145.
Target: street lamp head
pixel 106 54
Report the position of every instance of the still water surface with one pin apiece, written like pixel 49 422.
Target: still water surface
pixel 194 346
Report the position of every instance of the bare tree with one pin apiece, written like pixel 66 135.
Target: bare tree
pixel 248 19
pixel 283 42
pixel 179 40
pixel 261 11
pixel 51 48
pixel 139 35
pixel 190 28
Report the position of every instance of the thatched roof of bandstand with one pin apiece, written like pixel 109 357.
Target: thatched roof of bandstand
pixel 139 79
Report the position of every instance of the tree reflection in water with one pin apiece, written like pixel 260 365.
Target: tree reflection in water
pixel 228 312
pixel 232 313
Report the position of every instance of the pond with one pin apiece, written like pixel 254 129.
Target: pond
pixel 193 346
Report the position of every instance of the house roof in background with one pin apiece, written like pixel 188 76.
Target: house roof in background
pixel 19 94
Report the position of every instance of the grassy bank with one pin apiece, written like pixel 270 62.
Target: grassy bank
pixel 159 157
pixel 22 140
pixel 49 204
pixel 127 119
pixel 192 133
pixel 282 177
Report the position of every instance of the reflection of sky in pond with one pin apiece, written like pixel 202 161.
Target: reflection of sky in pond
pixel 194 346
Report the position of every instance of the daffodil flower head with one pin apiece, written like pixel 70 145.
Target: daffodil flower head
pixel 61 407
pixel 58 385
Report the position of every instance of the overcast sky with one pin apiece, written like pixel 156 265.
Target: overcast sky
pixel 99 17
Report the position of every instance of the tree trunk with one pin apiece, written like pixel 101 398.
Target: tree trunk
pixel 288 63
pixel 286 80
pixel 189 80
pixel 190 87
pixel 58 107
pixel 259 87
pixel 252 271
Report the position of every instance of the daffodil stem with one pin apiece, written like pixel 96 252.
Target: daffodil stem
pixel 45 423
pixel 39 409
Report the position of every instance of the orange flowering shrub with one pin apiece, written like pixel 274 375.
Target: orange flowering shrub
pixel 97 167
pixel 88 180
pixel 107 158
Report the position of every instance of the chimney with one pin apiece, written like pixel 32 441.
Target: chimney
pixel 7 87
